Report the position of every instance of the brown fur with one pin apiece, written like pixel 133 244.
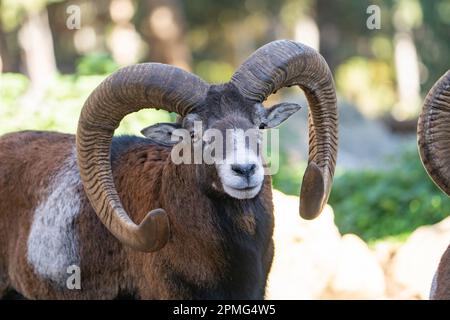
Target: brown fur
pixel 197 262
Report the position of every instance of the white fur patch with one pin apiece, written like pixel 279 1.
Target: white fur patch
pixel 239 153
pixel 52 242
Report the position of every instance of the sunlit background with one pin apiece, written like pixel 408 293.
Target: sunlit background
pixel 50 62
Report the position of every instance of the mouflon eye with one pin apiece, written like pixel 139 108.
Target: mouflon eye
pixel 195 137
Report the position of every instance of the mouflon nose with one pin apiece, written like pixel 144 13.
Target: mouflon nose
pixel 245 170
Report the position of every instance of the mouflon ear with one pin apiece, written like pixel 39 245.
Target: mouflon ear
pixel 277 114
pixel 162 133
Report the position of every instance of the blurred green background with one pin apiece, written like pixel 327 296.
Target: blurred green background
pixel 50 62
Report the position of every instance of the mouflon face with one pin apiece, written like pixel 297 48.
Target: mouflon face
pixel 224 140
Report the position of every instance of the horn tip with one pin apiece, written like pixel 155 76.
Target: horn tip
pixel 312 193
pixel 154 230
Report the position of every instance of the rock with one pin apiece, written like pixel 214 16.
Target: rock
pixel 313 261
pixel 305 251
pixel 385 251
pixel 358 275
pixel 413 266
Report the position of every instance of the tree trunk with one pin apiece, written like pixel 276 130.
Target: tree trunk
pixel 330 34
pixel 408 80
pixel 2 49
pixel 163 30
pixel 36 41
pixel 4 55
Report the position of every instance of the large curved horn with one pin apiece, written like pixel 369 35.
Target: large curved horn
pixel 433 133
pixel 286 63
pixel 129 90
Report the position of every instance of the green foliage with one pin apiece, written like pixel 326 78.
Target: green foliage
pixel 60 107
pixel 96 63
pixel 432 40
pixel 289 175
pixel 13 12
pixel 379 204
pixel 12 85
pixel 213 71
pixel 369 83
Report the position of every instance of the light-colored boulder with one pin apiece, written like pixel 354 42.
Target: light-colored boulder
pixel 313 261
pixel 385 251
pixel 358 275
pixel 305 251
pixel 412 269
